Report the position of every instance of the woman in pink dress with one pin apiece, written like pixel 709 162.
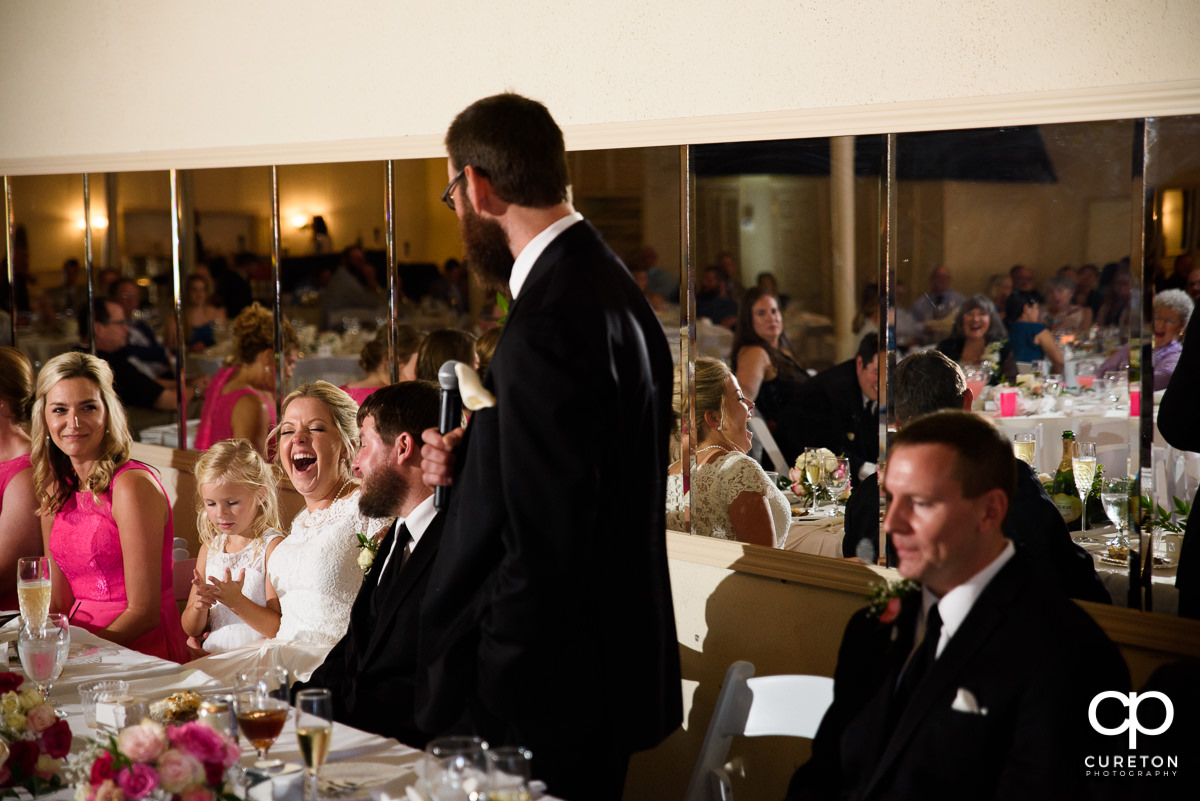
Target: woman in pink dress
pixel 240 401
pixel 106 520
pixel 375 366
pixel 20 534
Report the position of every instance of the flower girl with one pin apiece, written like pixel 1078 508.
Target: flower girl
pixel 231 598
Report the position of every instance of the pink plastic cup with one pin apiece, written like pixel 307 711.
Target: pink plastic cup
pixel 1008 401
pixel 1135 401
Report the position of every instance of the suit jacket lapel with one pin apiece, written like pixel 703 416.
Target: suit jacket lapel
pixel 360 612
pixel 399 582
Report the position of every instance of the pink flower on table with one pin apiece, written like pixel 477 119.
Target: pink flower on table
pixel 56 739
pixel 102 768
pixel 197 794
pixel 890 611
pixel 138 780
pixel 178 771
pixel 108 791
pixel 40 718
pixel 142 743
pixel 204 743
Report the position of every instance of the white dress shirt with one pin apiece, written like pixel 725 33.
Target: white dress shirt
pixel 417 521
pixel 955 605
pixel 525 261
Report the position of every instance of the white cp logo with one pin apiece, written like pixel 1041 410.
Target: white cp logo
pixel 1131 700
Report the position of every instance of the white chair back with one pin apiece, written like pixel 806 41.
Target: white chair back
pixel 788 706
pixel 762 435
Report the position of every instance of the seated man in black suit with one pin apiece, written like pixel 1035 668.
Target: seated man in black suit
pixel 135 389
pixel 372 670
pixel 930 382
pixel 841 410
pixel 980 685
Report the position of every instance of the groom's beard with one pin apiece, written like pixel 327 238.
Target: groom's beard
pixel 382 491
pixel 487 250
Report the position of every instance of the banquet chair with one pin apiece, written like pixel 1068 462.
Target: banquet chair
pixel 788 706
pixel 762 435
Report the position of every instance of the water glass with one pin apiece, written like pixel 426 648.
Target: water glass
pixel 43 648
pixel 837 480
pixel 1114 496
pixel 1116 381
pixel 509 773
pixel 217 712
pixel 456 768
pixel 94 692
pixel 1053 385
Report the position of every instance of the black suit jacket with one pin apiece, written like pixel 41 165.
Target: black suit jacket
pixel 834 417
pixel 548 619
pixel 372 669
pixel 1029 656
pixel 1180 426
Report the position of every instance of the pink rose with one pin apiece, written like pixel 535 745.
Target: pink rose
pixel 197 794
pixel 890 611
pixel 137 780
pixel 177 771
pixel 203 742
pixel 56 739
pixel 102 768
pixel 40 717
pixel 108 791
pixel 142 743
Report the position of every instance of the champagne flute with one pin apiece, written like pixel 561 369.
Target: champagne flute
pixel 1025 447
pixel 314 729
pixel 814 471
pixel 838 479
pixel 261 719
pixel 455 768
pixel 1114 495
pixel 43 646
pixel 1083 465
pixel 33 587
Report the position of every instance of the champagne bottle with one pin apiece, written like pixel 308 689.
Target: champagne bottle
pixel 1063 491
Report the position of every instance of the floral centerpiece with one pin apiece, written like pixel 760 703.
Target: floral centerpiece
pixel 187 762
pixel 33 741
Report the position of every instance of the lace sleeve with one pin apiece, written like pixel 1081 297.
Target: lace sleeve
pixel 739 473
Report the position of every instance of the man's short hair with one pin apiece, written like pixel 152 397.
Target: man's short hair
pixel 408 407
pixel 925 383
pixel 98 309
pixel 516 144
pixel 868 348
pixel 984 458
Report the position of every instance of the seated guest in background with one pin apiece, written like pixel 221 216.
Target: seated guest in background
pixel 1193 285
pixel 442 346
pixel 1172 311
pixel 642 279
pixel 980 686
pixel 200 314
pixel 67 297
pixel 1114 310
pixel 134 387
pixel 240 403
pixel 450 287
pixel 143 347
pixel 999 289
pixel 731 497
pixel 840 409
pixel 978 335
pixel 658 281
pixel 1031 340
pixel 767 283
pixel 375 369
pixel 866 320
pixel 929 382
pixel 713 299
pixel 766 369
pixel 353 288
pixel 1062 314
pixel 106 520
pixel 940 301
pixel 372 670
pixel 1024 289
pixel 485 348
pixel 1086 294
pixel 20 531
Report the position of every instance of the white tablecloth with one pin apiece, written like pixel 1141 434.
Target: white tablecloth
pixel 1116 576
pixel 1111 430
pixel 819 535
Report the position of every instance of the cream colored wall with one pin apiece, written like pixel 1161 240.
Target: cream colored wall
pixel 132 78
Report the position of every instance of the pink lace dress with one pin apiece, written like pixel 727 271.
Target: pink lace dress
pixel 216 416
pixel 86 546
pixel 7 471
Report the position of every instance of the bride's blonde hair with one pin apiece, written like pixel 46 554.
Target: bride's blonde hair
pixel 235 461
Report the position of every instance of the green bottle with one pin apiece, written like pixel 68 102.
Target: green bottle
pixel 1063 491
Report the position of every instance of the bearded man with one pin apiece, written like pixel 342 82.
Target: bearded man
pixel 372 670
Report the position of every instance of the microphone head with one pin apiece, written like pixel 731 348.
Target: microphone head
pixel 447 378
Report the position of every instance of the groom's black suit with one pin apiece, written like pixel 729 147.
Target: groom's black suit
pixel 1030 657
pixel 372 670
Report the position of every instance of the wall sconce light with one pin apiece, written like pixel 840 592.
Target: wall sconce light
pixel 300 221
pixel 99 223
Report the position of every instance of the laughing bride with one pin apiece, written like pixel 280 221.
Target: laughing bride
pixel 314 570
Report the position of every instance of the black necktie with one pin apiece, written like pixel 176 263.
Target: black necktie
pixel 918 666
pixel 400 541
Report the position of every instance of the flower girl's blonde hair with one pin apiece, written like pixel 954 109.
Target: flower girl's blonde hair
pixel 235 461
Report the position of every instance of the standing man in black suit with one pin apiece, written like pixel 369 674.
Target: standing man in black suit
pixel 980 685
pixel 372 670
pixel 841 409
pixel 548 622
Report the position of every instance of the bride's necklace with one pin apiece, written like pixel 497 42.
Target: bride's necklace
pixel 319 517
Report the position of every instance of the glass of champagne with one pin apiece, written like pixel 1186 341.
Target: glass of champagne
pixel 314 729
pixel 814 471
pixel 1025 447
pixel 261 718
pixel 509 773
pixel 33 587
pixel 43 646
pixel 1083 465
pixel 1114 495
pixel 456 768
pixel 837 480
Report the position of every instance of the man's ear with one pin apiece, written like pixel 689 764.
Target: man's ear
pixel 404 448
pixel 968 399
pixel 480 193
pixel 996 508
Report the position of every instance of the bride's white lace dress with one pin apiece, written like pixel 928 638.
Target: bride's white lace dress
pixel 714 486
pixel 315 573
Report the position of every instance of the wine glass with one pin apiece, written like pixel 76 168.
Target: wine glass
pixel 1114 495
pixel 814 471
pixel 1116 381
pixel 272 680
pixel 1025 447
pixel 33 587
pixel 43 646
pixel 1083 465
pixel 1053 386
pixel 314 729
pixel 455 768
pixel 837 481
pixel 261 718
pixel 509 773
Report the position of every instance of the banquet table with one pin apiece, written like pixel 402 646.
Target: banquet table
pixel 364 765
pixel 1111 429
pixel 819 534
pixel 1115 576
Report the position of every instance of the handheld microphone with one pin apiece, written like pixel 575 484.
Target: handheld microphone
pixel 449 418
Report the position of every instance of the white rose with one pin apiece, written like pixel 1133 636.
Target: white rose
pixel 366 558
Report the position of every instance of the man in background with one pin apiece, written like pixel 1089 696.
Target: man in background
pixel 841 410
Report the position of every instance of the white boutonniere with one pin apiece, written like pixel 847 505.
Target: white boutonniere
pixel 367 548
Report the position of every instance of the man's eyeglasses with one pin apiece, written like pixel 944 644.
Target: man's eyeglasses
pixel 448 195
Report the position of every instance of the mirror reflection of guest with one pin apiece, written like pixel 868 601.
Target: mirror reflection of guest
pixel 353 286
pixel 240 402
pixel 20 532
pixel 201 315
pixel 767 370
pixel 1031 340
pixel 713 299
pixel 373 361
pixel 1114 310
pixel 940 301
pixel 999 289
pixel 143 347
pixel 1172 311
pixel 1193 285
pixel 1063 316
pixel 1086 293
pixel 839 410
pixel 731 497
pixel 974 337
pixel 450 287
pixel 485 346
pixel 444 345
pixel 106 520
pixel 135 388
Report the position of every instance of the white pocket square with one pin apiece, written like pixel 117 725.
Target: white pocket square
pixel 474 396
pixel 965 702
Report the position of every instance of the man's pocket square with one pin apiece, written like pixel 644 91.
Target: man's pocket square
pixel 965 702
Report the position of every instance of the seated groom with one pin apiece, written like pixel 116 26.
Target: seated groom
pixel 371 671
pixel 979 685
